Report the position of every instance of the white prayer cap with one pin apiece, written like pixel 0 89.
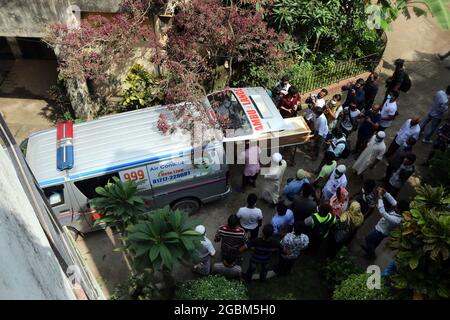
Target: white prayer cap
pixel 276 157
pixel 341 168
pixel 200 229
pixel 381 134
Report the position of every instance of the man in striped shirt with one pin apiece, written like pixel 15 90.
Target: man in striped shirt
pixel 232 237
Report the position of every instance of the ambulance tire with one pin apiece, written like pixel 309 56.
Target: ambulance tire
pixel 187 205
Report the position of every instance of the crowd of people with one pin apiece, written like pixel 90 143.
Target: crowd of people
pixel 315 210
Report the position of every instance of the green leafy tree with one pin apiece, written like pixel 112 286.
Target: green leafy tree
pixel 162 241
pixel 119 204
pixel 355 288
pixel 143 89
pixel 333 28
pixel 423 245
pixel 390 10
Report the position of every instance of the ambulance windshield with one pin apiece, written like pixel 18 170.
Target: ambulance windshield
pixel 229 113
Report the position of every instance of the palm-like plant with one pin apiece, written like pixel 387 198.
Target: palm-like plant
pixel 423 246
pixel 165 239
pixel 119 204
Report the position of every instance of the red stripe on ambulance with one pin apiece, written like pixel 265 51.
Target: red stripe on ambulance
pixel 252 113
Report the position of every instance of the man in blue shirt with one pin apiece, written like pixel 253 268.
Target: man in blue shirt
pixel 282 221
pixel 294 186
pixel 355 93
pixel 436 114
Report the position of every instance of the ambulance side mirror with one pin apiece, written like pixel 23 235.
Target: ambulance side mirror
pixel 55 199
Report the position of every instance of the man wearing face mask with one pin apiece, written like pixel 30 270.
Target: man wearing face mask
pixel 388 111
pixel 401 175
pixel 355 93
pixel 336 180
pixel 372 154
pixel 410 128
pixel 397 158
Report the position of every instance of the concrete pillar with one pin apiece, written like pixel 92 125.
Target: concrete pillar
pixel 15 48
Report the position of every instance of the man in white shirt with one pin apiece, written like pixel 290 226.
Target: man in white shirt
pixel 337 179
pixel 320 132
pixel 349 118
pixel 436 114
pixel 250 217
pixel 205 252
pixel 337 143
pixel 410 128
pixel 388 111
pixel 391 218
pixel 315 101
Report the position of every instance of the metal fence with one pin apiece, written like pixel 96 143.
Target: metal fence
pixel 341 70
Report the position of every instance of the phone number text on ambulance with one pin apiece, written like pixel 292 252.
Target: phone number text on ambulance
pixel 170 178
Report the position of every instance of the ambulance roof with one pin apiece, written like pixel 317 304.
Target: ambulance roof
pixel 106 144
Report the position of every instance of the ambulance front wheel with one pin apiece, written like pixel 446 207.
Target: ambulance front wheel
pixel 188 205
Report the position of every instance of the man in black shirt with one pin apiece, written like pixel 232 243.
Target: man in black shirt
pixel 394 82
pixel 305 203
pixel 371 90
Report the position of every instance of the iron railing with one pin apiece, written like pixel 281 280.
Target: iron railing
pixel 342 70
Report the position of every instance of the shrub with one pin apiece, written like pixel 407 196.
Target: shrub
pixel 423 246
pixel 439 174
pixel 355 288
pixel 340 268
pixel 119 204
pixel 164 239
pixel 143 89
pixel 139 286
pixel 212 288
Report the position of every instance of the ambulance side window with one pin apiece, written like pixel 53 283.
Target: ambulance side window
pixel 55 195
pixel 87 186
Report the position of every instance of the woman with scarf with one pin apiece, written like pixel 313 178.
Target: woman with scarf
pixel 346 227
pixel 339 201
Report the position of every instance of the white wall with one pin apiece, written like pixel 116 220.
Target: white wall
pixel 28 266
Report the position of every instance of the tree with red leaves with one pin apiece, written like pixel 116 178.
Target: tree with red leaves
pixel 206 32
pixel 88 52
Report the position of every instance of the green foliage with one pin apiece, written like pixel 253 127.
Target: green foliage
pixel 339 268
pixel 439 173
pixel 390 11
pixel 140 286
pixel 120 203
pixel 355 288
pixel 212 288
pixel 423 245
pixel 325 29
pixel 441 11
pixel 166 238
pixel 143 89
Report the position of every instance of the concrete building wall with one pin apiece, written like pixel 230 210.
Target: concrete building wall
pixel 28 267
pixel 28 18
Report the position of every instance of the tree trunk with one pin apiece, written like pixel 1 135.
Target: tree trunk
pixel 169 282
